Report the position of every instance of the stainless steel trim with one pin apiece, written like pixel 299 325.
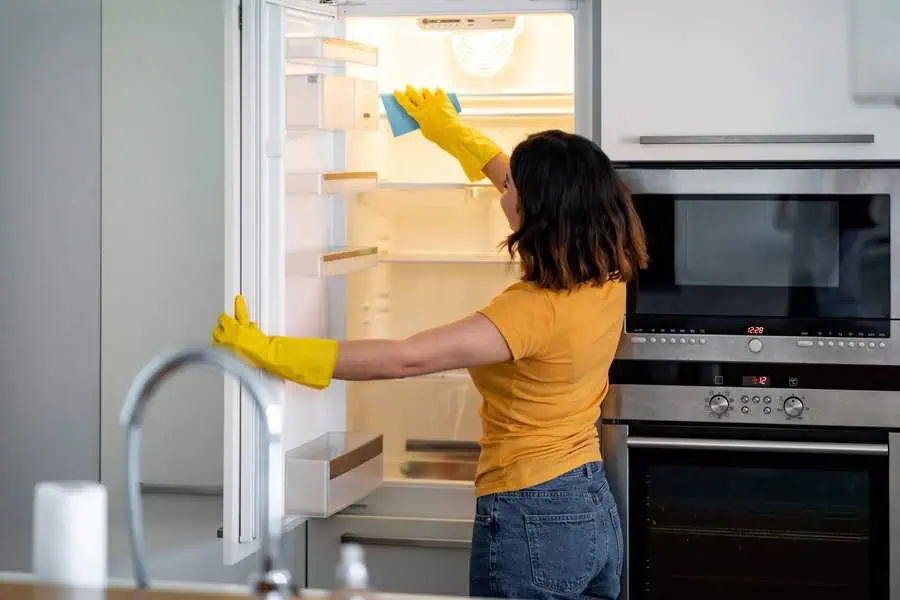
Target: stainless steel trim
pixel 690 404
pixel 401 542
pixel 894 515
pixel 788 138
pixel 663 443
pixel 614 448
pixel 160 489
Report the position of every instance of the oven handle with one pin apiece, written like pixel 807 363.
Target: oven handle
pixel 759 446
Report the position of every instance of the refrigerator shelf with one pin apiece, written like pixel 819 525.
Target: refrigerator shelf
pixel 507 113
pixel 456 375
pixel 327 184
pixel 329 52
pixel 446 258
pixel 440 185
pixel 330 261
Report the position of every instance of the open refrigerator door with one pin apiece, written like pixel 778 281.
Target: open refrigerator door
pixel 296 105
pixel 347 232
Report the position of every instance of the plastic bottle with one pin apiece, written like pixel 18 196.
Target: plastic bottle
pixel 351 575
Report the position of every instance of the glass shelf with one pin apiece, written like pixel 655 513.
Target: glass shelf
pixel 442 258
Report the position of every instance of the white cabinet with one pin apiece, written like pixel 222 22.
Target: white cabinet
pixel 734 80
pixel 403 555
pixel 331 102
pixel 875 50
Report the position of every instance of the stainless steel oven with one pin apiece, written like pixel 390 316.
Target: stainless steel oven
pixel 756 480
pixel 767 263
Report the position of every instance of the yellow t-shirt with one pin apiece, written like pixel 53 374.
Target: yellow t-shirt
pixel 539 410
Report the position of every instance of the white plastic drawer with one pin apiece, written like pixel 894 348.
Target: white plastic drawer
pixel 331 472
pixel 331 102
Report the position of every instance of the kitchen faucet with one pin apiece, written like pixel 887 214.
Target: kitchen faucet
pixel 272 582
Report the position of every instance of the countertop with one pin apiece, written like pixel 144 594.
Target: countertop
pixel 21 586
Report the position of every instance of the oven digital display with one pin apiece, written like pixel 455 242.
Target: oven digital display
pixel 755 381
pixel 756 330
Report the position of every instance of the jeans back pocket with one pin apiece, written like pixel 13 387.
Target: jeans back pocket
pixel 563 550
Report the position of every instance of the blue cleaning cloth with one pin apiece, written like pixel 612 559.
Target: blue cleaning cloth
pixel 401 122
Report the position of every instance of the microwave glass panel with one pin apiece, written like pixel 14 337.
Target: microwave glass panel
pixel 805 256
pixel 750 245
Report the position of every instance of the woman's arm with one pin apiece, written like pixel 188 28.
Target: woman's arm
pixel 497 170
pixel 470 342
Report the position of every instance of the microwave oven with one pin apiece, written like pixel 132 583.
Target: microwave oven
pixel 766 262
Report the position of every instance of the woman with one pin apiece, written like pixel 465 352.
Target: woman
pixel 546 525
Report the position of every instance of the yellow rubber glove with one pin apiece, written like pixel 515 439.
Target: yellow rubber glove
pixel 440 123
pixel 309 362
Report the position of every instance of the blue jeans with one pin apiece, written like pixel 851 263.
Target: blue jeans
pixel 560 539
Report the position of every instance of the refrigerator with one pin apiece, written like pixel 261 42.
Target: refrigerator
pixel 335 228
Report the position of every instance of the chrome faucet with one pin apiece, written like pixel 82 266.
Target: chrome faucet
pixel 272 582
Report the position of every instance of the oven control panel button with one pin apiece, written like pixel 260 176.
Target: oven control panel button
pixel 755 345
pixel 718 404
pixel 793 406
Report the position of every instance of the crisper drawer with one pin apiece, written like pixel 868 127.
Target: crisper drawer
pixel 331 102
pixel 403 555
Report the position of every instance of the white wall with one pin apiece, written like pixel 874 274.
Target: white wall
pixel 163 269
pixel 49 255
pixel 163 227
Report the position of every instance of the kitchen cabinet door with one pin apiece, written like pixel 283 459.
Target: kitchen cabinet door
pixel 875 50
pixel 403 555
pixel 679 80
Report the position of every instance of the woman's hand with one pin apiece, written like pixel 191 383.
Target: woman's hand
pixel 309 362
pixel 433 111
pixel 440 123
pixel 470 342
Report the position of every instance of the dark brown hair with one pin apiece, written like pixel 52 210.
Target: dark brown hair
pixel 578 224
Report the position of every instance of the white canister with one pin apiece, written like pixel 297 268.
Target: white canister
pixel 70 533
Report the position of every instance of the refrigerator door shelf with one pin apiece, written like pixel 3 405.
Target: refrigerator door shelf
pixel 330 261
pixel 330 102
pixel 331 472
pixel 327 184
pixel 329 52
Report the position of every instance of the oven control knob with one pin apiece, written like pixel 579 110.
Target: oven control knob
pixel 718 404
pixel 793 406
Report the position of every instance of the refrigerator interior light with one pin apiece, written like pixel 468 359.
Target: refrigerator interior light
pixel 482 52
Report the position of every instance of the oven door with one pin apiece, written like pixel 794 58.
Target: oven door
pixel 799 260
pixel 750 518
